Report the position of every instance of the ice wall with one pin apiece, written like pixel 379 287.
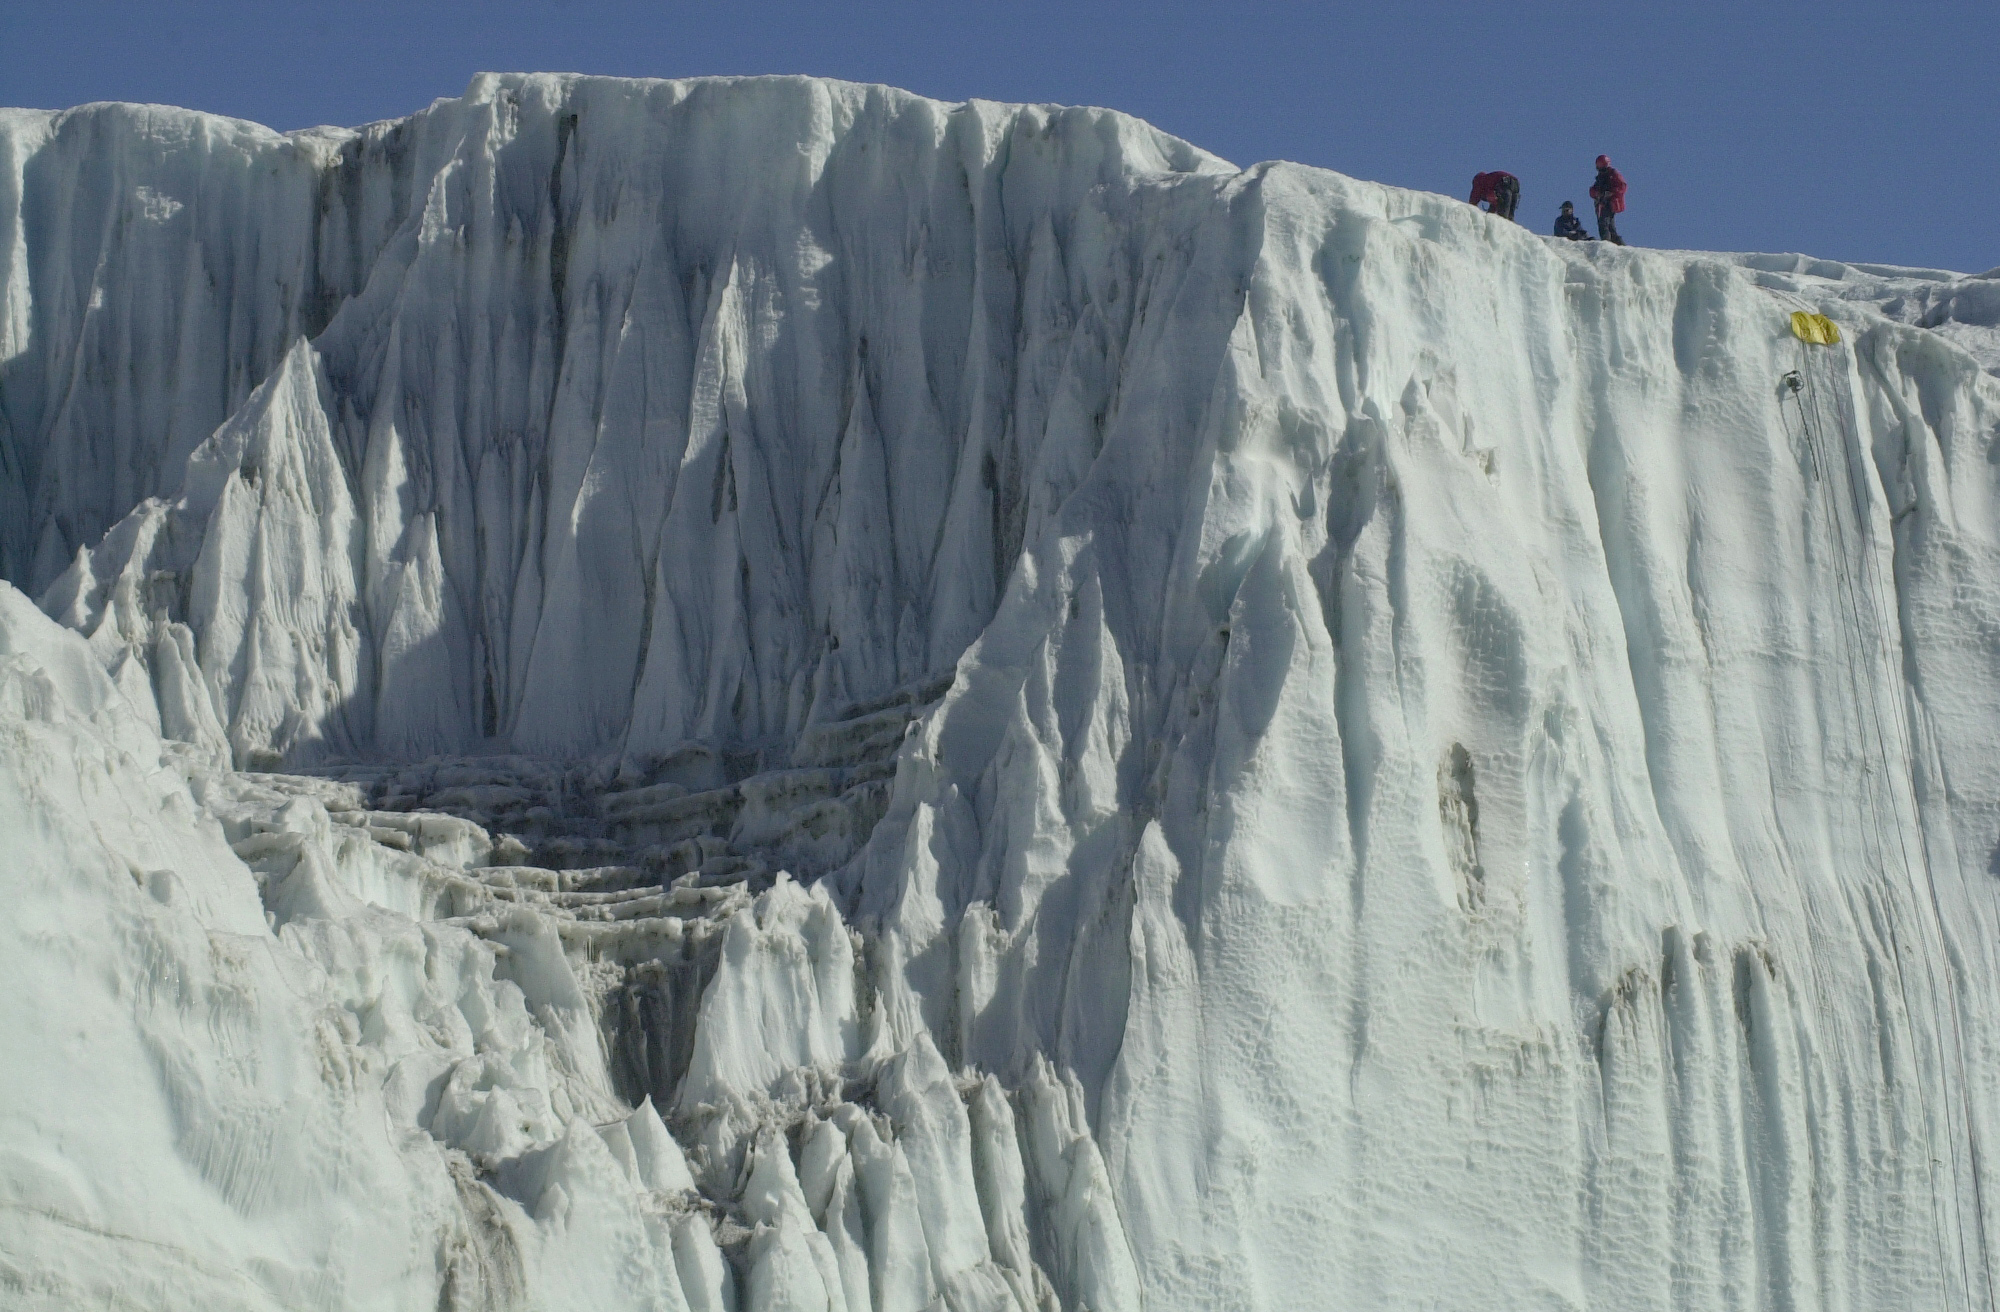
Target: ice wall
pixel 664 411
pixel 1530 757
pixel 1432 775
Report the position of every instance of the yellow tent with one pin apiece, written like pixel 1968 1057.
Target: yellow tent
pixel 1814 328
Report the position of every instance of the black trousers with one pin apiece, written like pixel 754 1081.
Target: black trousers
pixel 1607 223
pixel 1506 197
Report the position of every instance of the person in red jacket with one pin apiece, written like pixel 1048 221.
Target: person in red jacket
pixel 1609 193
pixel 1501 192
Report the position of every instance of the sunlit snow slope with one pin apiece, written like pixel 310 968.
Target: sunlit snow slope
pixel 893 705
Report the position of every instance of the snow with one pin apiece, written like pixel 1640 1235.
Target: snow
pixel 763 693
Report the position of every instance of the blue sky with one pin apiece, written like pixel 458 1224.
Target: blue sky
pixel 1866 132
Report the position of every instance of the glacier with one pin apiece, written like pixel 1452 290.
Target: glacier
pixel 761 693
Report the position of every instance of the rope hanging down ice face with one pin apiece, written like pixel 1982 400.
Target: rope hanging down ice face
pixel 1864 622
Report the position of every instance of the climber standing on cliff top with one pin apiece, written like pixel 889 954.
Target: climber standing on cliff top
pixel 1609 193
pixel 1500 191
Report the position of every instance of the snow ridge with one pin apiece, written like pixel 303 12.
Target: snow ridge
pixel 905 705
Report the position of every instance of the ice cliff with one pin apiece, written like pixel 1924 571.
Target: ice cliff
pixel 766 694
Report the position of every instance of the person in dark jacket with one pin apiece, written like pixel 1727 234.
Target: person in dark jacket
pixel 1609 193
pixel 1501 192
pixel 1570 226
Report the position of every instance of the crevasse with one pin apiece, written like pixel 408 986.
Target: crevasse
pixel 762 693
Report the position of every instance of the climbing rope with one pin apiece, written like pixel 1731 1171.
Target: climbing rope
pixel 1871 574
pixel 1865 619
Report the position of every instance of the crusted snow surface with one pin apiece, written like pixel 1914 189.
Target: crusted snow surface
pixel 760 693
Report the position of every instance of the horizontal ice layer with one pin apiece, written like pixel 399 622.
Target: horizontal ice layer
pixel 278 1051
pixel 1448 782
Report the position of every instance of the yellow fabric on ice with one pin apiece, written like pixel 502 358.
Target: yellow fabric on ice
pixel 1814 328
